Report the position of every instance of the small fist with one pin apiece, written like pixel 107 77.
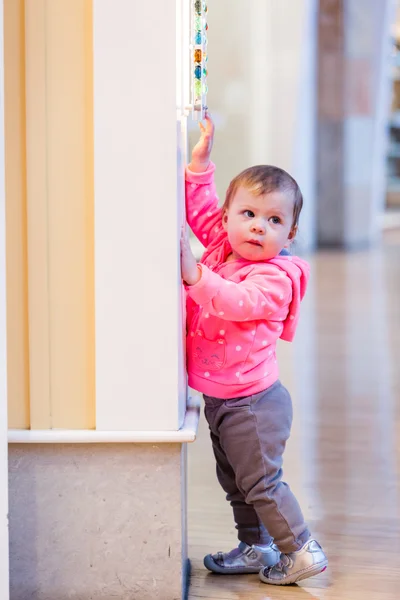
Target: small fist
pixel 191 273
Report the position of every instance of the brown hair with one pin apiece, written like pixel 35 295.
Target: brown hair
pixel 263 179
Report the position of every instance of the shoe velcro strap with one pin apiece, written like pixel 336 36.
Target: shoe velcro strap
pixel 250 552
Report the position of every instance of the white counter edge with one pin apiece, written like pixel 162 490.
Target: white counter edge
pixel 187 433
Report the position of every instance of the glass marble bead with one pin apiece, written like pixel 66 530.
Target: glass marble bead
pixel 198 6
pixel 198 38
pixel 198 56
pixel 197 72
pixel 197 87
pixel 198 23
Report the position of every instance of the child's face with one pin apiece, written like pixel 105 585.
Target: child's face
pixel 258 227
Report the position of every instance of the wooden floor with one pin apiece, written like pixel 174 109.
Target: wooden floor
pixel 343 459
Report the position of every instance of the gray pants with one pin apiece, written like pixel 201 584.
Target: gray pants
pixel 249 436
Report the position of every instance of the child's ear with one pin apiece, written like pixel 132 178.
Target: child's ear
pixel 293 233
pixel 225 220
pixel 291 236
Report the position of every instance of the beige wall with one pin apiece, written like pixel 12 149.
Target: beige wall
pixel 15 163
pixel 49 199
pixel 53 50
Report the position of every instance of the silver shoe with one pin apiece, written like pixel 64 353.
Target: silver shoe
pixel 306 562
pixel 243 559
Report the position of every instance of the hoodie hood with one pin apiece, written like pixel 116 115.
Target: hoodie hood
pixel 299 272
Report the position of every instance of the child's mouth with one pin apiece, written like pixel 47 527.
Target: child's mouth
pixel 254 243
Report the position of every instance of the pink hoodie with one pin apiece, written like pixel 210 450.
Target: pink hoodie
pixel 238 309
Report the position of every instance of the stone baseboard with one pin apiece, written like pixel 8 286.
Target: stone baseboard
pixel 98 521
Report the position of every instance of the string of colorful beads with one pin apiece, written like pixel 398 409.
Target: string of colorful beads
pixel 199 69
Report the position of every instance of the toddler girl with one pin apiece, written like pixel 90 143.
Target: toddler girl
pixel 244 295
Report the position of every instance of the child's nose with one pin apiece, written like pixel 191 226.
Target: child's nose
pixel 258 227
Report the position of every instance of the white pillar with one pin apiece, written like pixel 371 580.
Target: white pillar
pixel 4 577
pixel 139 144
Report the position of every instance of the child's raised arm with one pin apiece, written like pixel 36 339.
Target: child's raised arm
pixel 202 211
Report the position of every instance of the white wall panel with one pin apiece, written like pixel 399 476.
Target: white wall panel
pixel 138 165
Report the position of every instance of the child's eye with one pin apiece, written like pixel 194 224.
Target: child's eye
pixel 275 220
pixel 249 213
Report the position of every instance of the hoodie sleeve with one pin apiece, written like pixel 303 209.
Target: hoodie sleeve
pixel 202 211
pixel 259 296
